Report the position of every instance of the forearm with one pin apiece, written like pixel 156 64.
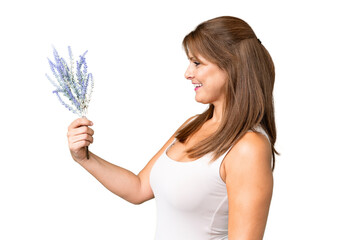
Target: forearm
pixel 118 180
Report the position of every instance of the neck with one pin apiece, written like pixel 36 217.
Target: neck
pixel 218 112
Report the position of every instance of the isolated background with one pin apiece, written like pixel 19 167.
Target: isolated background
pixel 141 97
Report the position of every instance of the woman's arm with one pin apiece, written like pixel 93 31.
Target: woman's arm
pixel 249 183
pixel 133 188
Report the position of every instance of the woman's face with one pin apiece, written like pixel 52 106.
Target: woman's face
pixel 208 79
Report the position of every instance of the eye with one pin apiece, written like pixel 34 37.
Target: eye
pixel 196 63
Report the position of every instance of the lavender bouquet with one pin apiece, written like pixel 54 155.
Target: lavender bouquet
pixel 72 89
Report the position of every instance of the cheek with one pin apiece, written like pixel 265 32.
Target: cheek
pixel 216 87
pixel 220 82
pixel 223 80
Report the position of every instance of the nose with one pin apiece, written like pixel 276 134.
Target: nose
pixel 189 73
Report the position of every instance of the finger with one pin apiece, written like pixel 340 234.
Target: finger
pixel 79 145
pixel 81 137
pixel 81 130
pixel 80 122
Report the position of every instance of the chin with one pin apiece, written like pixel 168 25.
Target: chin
pixel 200 100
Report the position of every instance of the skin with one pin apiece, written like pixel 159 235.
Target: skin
pixel 246 169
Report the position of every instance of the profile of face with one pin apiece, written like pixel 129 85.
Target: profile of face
pixel 208 79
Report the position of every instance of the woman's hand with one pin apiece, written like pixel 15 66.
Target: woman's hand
pixel 79 136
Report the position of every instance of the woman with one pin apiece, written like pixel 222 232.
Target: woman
pixel 213 178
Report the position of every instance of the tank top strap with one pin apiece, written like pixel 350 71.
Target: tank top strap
pixel 170 145
pixel 228 150
pixel 258 128
pixel 261 130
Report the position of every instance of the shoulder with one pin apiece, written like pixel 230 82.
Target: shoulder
pixel 191 118
pixel 187 121
pixel 250 155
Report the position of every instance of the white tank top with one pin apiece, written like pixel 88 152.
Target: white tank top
pixel 191 198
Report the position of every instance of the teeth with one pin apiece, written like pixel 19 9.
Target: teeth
pixel 198 85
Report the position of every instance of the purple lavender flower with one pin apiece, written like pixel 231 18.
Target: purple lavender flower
pixel 62 102
pixel 73 87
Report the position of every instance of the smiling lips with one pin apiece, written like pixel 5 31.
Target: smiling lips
pixel 197 86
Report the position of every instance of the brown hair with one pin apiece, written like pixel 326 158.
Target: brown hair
pixel 230 43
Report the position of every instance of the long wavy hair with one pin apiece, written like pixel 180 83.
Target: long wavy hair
pixel 232 45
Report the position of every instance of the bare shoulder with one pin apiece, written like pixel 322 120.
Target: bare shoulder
pixel 250 155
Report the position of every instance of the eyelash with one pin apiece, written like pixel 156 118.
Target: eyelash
pixel 197 63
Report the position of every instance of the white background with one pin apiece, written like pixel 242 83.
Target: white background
pixel 141 97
